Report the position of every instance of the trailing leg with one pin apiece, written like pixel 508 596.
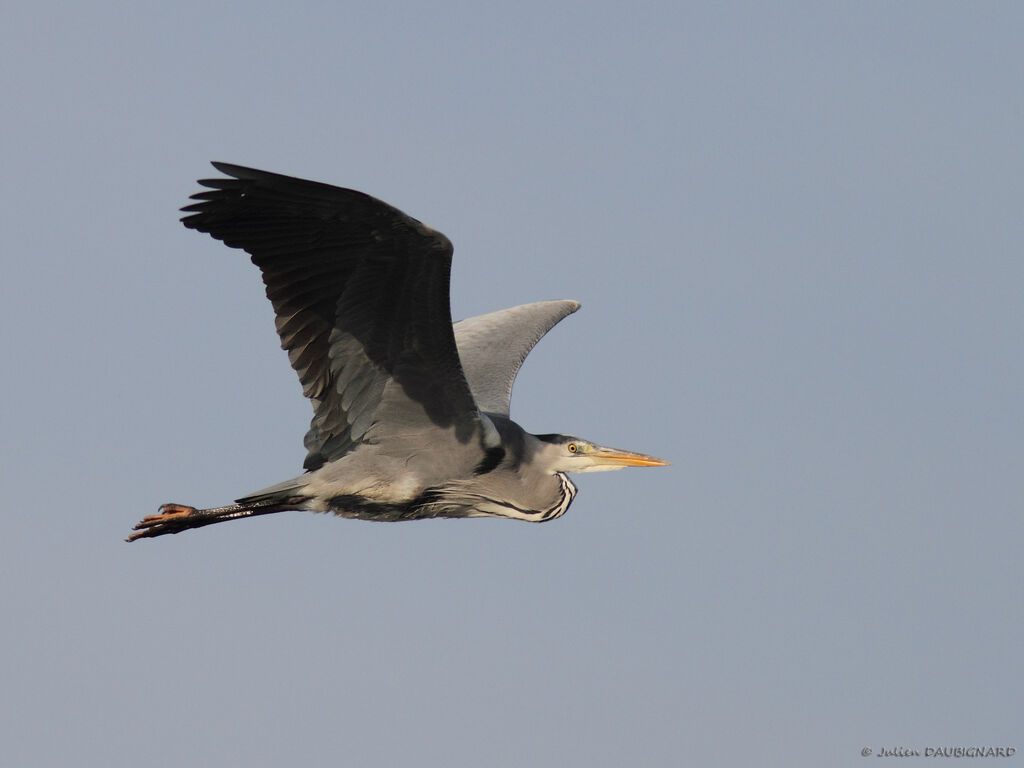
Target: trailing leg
pixel 175 518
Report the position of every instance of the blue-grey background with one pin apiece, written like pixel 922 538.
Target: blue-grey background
pixel 796 233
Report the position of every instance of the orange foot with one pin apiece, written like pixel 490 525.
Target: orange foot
pixel 164 522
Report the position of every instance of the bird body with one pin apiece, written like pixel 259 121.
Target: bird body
pixel 410 412
pixel 373 485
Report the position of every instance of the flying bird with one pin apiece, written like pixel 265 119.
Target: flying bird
pixel 410 412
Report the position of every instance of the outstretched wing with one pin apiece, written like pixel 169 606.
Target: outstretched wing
pixel 360 293
pixel 493 346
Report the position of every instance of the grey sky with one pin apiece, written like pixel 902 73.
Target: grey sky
pixel 797 236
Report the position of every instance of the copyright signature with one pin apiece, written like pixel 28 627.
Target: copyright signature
pixel 975 751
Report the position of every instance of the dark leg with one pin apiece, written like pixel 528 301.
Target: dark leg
pixel 175 518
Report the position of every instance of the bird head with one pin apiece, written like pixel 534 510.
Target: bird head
pixel 566 453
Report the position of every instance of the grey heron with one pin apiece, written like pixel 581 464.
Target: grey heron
pixel 410 412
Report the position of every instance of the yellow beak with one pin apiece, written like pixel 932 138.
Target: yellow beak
pixel 615 457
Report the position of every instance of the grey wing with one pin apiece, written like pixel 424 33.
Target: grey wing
pixel 492 347
pixel 360 293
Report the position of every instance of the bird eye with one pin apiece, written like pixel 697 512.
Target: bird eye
pixel 572 447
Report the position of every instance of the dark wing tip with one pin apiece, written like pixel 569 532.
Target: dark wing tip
pixel 229 168
pixel 320 200
pixel 245 172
